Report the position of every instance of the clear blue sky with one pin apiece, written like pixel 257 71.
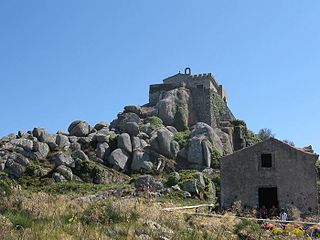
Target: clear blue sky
pixel 63 60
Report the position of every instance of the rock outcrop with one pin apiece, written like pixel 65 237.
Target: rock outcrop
pixel 163 135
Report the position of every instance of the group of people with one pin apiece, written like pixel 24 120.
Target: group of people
pixel 272 212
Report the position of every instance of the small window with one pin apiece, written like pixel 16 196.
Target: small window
pixel 200 86
pixel 266 160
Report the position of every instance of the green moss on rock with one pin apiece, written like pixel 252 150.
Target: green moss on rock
pixel 219 107
pixel 93 172
pixel 183 138
pixel 215 156
pixel 155 122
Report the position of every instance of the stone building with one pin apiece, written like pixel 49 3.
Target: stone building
pixel 208 99
pixel 270 173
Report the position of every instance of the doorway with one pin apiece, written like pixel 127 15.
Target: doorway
pixel 268 196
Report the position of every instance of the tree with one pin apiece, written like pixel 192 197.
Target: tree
pixel 289 142
pixel 265 133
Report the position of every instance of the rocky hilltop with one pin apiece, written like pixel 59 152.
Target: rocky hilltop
pixel 184 126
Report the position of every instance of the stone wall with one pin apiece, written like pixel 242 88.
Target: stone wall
pixel 202 106
pixel 206 104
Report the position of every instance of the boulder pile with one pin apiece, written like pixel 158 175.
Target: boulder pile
pixel 137 141
pixel 161 136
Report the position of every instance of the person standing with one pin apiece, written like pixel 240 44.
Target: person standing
pixel 263 212
pixel 273 212
pixel 283 215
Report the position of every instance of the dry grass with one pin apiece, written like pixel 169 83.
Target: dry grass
pixel 44 216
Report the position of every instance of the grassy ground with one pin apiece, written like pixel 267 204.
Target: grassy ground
pixel 64 211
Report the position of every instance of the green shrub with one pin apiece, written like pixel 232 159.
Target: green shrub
pixel 20 218
pixel 107 213
pixel 155 122
pixel 183 138
pixel 194 176
pixel 189 233
pixel 247 229
pixel 69 218
pixel 89 171
pixel 251 138
pixel 32 183
pixel 6 185
pixel 172 180
pixel 239 122
pixel 217 183
pixel 215 155
pixel 210 192
pixel 32 169
pixel 188 174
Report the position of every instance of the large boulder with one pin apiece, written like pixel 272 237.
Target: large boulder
pixel 164 139
pixel 173 108
pixel 79 128
pixel 84 141
pixel 132 128
pixel 136 143
pixel 147 182
pixel 101 138
pixel 172 129
pixel 118 159
pixel 61 158
pixel 133 109
pixel 141 161
pixel 101 125
pixel 104 131
pixel 43 136
pixel 226 141
pixel 103 150
pixel 36 132
pixel 65 172
pixel 26 144
pixel 79 154
pixel 195 154
pixel 75 146
pixel 203 129
pixel 62 141
pixel 48 138
pixel 41 150
pixel 190 186
pixel 163 143
pixel 16 165
pixel 124 142
pixel 124 118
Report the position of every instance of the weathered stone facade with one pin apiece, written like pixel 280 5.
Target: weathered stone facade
pixel 271 167
pixel 208 99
